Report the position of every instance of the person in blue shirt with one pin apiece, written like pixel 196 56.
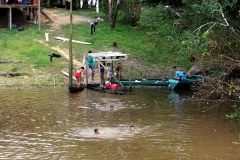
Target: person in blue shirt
pixel 91 63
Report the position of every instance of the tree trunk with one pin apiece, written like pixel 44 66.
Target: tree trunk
pixel 110 11
pixel 132 10
pixel 126 8
pixel 139 10
pixel 115 14
pixel 49 3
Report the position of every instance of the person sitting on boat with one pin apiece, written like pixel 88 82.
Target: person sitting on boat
pixel 109 71
pixel 97 131
pixel 180 75
pixel 119 70
pixel 78 76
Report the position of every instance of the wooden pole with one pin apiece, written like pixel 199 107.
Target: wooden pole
pixel 70 48
pixel 129 75
pixel 87 67
pixel 10 18
pixel 39 19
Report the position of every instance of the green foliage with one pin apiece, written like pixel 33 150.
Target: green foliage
pixel 24 46
pixel 41 62
pixel 14 69
pixel 236 114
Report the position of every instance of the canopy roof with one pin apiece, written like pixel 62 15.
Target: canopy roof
pixel 106 54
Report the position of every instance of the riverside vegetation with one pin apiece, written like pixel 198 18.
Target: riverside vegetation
pixel 36 69
pixel 164 37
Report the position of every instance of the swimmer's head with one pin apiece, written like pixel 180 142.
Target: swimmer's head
pixel 111 108
pixel 132 128
pixel 96 131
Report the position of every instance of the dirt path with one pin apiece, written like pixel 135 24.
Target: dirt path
pixel 61 17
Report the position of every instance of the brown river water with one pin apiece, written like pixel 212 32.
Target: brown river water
pixel 51 123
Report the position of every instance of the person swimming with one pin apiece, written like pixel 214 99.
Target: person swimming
pixel 111 108
pixel 97 131
pixel 132 128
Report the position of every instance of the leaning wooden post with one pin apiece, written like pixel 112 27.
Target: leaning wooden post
pixel 111 80
pixel 129 77
pixel 99 70
pixel 86 61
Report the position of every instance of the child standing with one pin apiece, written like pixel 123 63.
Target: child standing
pixel 109 71
pixel 78 76
pixel 119 71
pixel 102 74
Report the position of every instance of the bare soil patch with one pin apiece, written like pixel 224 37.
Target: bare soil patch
pixel 62 17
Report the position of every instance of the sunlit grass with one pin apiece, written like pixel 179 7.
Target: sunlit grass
pixel 25 46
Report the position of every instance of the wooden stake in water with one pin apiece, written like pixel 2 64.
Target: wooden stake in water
pixel 70 48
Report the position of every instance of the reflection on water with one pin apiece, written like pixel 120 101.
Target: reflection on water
pixel 177 100
pixel 54 124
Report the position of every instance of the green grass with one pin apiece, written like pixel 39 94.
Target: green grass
pixel 149 58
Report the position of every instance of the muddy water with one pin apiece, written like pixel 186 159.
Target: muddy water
pixel 54 124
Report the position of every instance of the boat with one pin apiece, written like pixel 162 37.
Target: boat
pixel 176 84
pixel 74 89
pixel 115 90
pixel 181 81
pixel 145 82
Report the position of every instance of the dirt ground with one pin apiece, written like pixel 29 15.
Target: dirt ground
pixel 61 17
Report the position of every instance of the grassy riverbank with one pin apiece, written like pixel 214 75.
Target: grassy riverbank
pixel 30 47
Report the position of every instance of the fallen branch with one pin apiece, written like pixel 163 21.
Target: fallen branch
pixel 11 74
pixel 9 61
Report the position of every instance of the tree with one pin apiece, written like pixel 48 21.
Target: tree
pixel 221 57
pixel 132 10
pixel 115 14
pixel 110 11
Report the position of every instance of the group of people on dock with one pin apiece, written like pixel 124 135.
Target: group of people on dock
pixel 82 73
pixel 110 71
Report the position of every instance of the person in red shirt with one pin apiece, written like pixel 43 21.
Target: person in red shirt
pixel 78 76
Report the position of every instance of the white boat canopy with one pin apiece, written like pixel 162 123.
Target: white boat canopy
pixel 109 57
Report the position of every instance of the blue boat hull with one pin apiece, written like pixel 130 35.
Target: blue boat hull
pixel 179 85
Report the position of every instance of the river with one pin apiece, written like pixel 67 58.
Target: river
pixel 51 123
